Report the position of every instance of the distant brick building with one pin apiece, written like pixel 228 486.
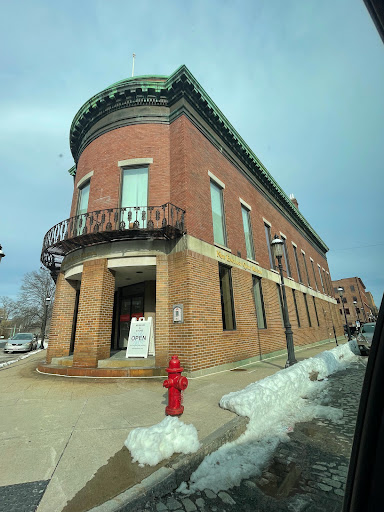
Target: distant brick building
pixel 172 208
pixel 356 302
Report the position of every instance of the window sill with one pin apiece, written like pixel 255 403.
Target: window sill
pixel 222 247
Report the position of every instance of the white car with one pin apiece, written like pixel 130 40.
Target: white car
pixel 21 342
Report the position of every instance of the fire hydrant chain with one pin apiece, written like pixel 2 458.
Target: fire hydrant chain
pixel 176 384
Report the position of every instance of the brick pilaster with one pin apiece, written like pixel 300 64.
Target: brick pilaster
pixel 62 318
pixel 95 315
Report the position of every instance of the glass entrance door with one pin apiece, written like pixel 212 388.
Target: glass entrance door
pixel 130 307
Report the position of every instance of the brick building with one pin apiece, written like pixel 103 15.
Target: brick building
pixel 357 304
pixel 172 208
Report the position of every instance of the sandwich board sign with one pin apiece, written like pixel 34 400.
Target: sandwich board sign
pixel 140 339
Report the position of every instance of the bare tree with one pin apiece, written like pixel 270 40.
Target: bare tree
pixel 36 287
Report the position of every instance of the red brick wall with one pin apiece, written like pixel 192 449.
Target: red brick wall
pixel 359 293
pixel 62 319
pixel 103 154
pixel 192 156
pixel 94 320
pixel 200 342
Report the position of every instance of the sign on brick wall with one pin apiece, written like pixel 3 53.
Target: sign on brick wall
pixel 141 340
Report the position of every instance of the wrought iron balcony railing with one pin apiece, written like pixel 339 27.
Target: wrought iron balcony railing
pixel 136 222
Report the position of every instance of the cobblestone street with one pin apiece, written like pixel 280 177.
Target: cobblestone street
pixel 306 474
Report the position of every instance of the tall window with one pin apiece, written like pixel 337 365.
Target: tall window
pixel 259 303
pixel 321 278
pixel 134 193
pixel 285 251
pixel 352 288
pixel 280 303
pixel 297 263
pixel 296 309
pixel 314 274
pixel 267 229
pixel 306 307
pixel 82 204
pixel 248 233
pixel 325 282
pixel 227 309
pixel 317 316
pixel 306 268
pixel 82 207
pixel 217 203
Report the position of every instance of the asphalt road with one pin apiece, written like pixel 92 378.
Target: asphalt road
pixel 306 474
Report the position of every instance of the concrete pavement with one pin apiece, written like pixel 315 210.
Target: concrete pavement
pixel 70 432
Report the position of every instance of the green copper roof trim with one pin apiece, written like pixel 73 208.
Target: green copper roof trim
pixel 167 86
pixel 72 171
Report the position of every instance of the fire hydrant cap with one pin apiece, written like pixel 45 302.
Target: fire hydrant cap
pixel 174 365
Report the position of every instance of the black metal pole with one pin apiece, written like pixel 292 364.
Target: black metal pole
pixel 43 327
pixel 288 328
pixel 346 321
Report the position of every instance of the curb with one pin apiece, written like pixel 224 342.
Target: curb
pixel 168 478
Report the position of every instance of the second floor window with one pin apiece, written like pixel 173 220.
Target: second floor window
pixel 297 264
pixel 217 203
pixel 306 268
pixel 321 278
pixel 285 251
pixel 314 274
pixel 248 233
pixel 269 240
pixel 82 204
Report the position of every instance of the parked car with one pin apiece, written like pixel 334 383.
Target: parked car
pixel 364 338
pixel 21 342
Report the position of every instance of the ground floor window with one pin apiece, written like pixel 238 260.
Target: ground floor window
pixel 226 292
pixel 307 310
pixel 296 309
pixel 259 303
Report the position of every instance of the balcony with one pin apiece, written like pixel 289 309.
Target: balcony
pixel 113 224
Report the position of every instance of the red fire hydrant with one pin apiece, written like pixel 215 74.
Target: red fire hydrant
pixel 175 384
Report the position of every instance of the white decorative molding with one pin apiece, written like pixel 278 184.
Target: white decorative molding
pixel 135 161
pixel 216 179
pixel 245 204
pixel 84 179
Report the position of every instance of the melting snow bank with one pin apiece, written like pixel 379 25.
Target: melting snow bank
pixel 273 406
pixel 153 444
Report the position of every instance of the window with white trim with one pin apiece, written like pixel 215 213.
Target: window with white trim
pixel 245 213
pixel 218 219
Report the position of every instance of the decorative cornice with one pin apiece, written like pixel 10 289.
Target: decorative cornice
pixel 161 91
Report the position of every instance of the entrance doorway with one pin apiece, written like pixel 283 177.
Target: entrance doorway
pixel 131 305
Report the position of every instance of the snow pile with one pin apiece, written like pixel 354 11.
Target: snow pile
pixel 153 444
pixel 273 406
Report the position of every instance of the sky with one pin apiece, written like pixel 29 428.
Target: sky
pixel 301 81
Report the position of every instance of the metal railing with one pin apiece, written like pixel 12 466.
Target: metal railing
pixel 131 222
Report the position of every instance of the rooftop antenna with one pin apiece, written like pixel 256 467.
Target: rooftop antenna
pixel 133 63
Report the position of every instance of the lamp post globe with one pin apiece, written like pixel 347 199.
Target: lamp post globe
pixel 341 293
pixel 278 250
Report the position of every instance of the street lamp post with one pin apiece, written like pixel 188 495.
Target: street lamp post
pixel 341 293
pixel 47 301
pixel 277 247
pixel 357 310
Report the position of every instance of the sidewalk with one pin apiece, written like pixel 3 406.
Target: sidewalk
pixel 70 432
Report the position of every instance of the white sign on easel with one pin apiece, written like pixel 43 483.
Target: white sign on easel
pixel 140 340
